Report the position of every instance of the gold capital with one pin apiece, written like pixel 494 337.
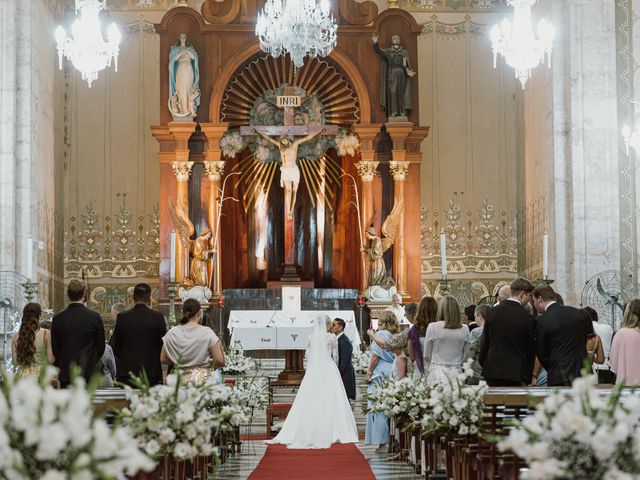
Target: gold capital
pixel 367 169
pixel 182 170
pixel 214 169
pixel 399 169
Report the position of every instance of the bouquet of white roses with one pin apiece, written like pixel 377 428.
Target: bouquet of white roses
pixel 401 398
pixel 51 434
pixel 360 360
pixel 583 434
pixel 455 407
pixel 251 394
pixel 179 420
pixel 235 362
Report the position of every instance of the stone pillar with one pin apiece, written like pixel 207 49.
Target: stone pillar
pixel 399 166
pixel 366 170
pixel 214 169
pixel 399 171
pixel 182 171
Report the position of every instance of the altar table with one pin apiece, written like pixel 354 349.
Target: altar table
pixel 282 330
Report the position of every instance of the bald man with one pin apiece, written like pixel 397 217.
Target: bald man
pixel 503 294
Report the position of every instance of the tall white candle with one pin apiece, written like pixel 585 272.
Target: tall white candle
pixel 545 255
pixel 443 253
pixel 29 257
pixel 172 265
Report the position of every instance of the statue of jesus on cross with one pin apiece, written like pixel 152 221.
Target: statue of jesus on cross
pixel 289 171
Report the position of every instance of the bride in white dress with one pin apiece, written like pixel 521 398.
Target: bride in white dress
pixel 321 414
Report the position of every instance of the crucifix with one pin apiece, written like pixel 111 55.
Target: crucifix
pixel 289 172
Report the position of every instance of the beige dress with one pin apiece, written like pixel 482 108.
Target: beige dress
pixel 34 368
pixel 188 348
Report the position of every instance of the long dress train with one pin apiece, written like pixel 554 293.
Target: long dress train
pixel 321 414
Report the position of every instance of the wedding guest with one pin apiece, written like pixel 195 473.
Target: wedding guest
pixel 560 337
pixel 77 336
pixel 108 367
pixel 380 368
pixel 399 367
pixel 31 346
pixel 595 350
pixel 503 293
pixel 472 343
pixel 426 314
pixel 400 340
pixel 196 349
pixel 444 342
pixel 605 332
pixel 625 349
pixel 137 339
pixel 410 311
pixel 116 308
pixel 507 345
pixel 469 313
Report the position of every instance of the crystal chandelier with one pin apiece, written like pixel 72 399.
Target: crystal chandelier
pixel 631 138
pixel 517 43
pixel 299 27
pixel 86 48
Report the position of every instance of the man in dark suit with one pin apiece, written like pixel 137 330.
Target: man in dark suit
pixel 561 338
pixel 345 365
pixel 137 339
pixel 507 345
pixel 77 336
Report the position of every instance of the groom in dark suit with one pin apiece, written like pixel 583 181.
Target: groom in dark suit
pixel 345 350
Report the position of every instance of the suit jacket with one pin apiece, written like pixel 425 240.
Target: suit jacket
pixel 507 345
pixel 77 337
pixel 561 344
pixel 345 365
pixel 137 342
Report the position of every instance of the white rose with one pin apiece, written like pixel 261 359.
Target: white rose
pixel 152 447
pixel 182 451
pixel 167 436
pixel 54 475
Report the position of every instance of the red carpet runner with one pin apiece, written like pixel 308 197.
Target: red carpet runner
pixel 338 462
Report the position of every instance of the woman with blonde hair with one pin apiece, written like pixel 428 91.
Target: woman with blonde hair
pixel 380 368
pixel 444 342
pixel 625 349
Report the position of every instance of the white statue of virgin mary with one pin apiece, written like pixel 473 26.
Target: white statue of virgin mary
pixel 184 80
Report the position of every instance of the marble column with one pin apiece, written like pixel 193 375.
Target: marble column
pixel 182 171
pixel 399 171
pixel 214 169
pixel 366 170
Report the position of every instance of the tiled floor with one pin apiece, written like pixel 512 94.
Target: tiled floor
pixel 240 466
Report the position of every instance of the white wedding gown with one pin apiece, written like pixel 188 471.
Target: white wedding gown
pixel 321 414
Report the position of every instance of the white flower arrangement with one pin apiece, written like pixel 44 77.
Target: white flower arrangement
pixel 51 434
pixel 581 434
pixel 360 360
pixel 347 143
pixel 455 407
pixel 251 394
pixel 404 398
pixel 178 420
pixel 236 363
pixel 232 143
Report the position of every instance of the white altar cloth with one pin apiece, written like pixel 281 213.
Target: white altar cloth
pixel 280 330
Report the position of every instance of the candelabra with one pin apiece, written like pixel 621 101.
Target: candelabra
pixel 172 289
pixel 30 290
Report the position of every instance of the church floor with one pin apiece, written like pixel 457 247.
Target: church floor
pixel 240 466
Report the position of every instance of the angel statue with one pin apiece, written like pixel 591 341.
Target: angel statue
pixel 378 245
pixel 199 247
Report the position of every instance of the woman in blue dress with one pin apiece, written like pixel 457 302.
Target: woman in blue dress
pixel 380 366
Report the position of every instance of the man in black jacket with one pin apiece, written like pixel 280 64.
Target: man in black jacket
pixel 562 343
pixel 507 345
pixel 137 339
pixel 345 365
pixel 77 336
